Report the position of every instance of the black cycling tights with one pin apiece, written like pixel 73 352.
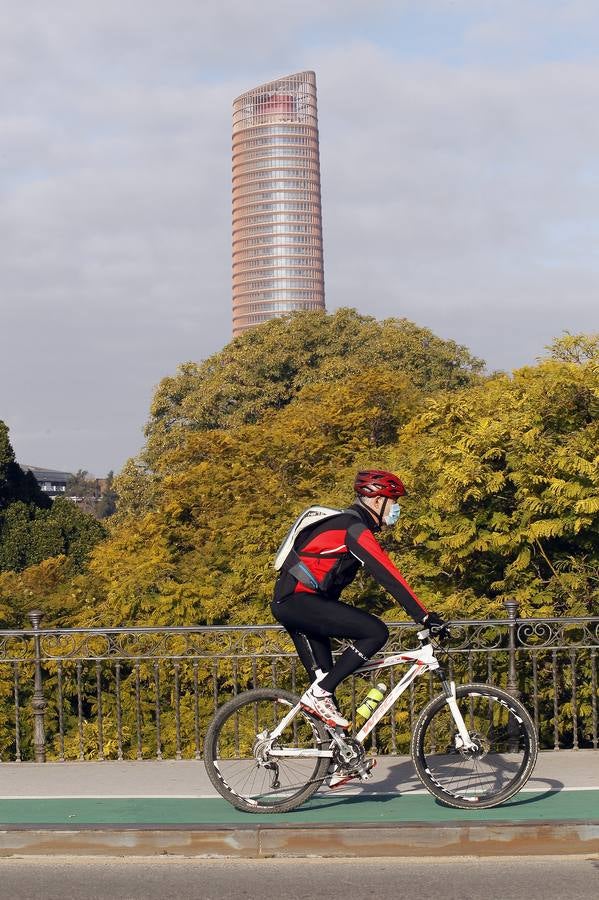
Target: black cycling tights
pixel 311 620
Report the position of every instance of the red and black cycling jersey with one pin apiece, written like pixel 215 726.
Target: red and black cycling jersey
pixel 333 552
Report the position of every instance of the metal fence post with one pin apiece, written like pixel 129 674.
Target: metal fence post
pixel 38 701
pixel 512 678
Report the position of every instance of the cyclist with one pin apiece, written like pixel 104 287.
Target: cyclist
pixel 309 608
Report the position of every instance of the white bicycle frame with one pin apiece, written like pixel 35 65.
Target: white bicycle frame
pixel 423 660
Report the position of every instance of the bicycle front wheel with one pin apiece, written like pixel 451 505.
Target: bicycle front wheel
pixel 238 758
pixel 501 762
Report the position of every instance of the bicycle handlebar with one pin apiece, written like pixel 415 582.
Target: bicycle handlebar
pixel 440 632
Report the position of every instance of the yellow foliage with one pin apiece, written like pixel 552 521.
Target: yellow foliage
pixel 503 500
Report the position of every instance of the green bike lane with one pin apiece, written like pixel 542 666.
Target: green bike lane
pixel 147 808
pixel 324 809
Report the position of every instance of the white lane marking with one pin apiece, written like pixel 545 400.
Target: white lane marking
pixel 108 796
pixel 424 792
pixel 338 793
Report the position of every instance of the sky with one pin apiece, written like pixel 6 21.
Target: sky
pixel 460 175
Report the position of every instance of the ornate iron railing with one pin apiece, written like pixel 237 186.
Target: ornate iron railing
pixel 135 693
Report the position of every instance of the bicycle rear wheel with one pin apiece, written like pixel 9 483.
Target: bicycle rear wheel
pixel 237 758
pixel 505 754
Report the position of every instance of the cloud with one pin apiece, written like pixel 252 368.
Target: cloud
pixel 460 194
pixel 464 198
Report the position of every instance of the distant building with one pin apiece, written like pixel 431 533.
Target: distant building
pixel 51 482
pixel 277 219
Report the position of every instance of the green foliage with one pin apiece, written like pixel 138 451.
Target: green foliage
pixel 33 531
pixel 265 369
pixel 17 486
pixel 135 487
pixel 28 535
pixel 95 496
pixel 502 473
pixel 84 490
pixel 576 348
pixel 48 585
pixel 222 501
pixel 106 505
pixel 505 483
pixel 503 503
pixel 78 532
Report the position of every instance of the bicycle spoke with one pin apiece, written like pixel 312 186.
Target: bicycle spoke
pixel 241 759
pixel 500 761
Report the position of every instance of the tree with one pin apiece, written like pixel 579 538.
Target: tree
pixel 15 484
pixel 577 348
pixel 48 584
pixel 505 500
pixel 84 491
pixel 32 527
pixel 28 536
pixel 503 503
pixel 106 505
pixel 222 501
pixel 266 367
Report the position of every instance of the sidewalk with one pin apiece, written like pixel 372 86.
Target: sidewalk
pixel 171 807
pixel 555 771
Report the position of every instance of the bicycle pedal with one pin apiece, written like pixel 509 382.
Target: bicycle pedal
pixel 338 779
pixel 366 774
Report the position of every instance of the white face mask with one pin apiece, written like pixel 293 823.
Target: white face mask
pixel 393 514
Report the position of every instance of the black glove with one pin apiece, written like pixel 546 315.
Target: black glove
pixel 436 625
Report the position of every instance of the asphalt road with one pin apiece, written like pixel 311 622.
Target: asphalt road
pixel 507 878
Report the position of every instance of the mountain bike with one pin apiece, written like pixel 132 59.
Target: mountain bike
pixel 473 746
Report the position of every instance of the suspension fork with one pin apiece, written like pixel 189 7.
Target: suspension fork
pixel 450 696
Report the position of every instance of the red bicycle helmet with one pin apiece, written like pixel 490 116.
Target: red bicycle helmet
pixel 376 483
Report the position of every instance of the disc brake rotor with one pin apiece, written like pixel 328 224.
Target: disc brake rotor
pixel 481 746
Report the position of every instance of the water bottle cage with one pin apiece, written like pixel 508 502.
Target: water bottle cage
pixel 371 701
pixel 367 708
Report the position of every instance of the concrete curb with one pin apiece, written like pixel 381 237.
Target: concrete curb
pixel 263 841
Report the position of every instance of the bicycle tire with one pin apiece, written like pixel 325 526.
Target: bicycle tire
pixel 218 777
pixel 519 725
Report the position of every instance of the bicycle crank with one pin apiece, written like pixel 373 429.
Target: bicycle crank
pixel 363 771
pixel 348 754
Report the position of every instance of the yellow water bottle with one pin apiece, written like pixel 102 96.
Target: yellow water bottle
pixel 371 701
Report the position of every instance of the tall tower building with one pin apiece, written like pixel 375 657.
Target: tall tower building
pixel 277 220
